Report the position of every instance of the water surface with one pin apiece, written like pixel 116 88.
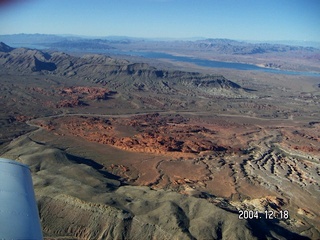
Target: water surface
pixel 219 64
pixel 193 60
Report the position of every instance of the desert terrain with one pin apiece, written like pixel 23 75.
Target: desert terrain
pixel 136 148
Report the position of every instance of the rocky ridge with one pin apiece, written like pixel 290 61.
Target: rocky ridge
pixel 152 133
pixel 119 74
pixel 101 208
pixel 245 162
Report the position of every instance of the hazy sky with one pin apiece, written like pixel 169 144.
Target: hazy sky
pixel 235 19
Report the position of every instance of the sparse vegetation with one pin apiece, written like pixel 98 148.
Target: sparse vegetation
pixel 122 149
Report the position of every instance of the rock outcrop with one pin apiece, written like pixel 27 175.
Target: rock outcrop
pixel 118 74
pixel 154 133
pixel 76 201
pixel 5 48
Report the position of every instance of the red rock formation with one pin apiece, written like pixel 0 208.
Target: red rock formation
pixel 89 93
pixel 74 102
pixel 157 134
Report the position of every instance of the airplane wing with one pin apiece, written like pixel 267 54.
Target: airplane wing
pixel 19 217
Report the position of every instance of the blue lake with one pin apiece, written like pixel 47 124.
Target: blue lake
pixel 197 61
pixel 218 64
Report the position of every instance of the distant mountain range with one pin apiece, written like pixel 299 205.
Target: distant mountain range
pixel 227 46
pixel 278 56
pixel 84 42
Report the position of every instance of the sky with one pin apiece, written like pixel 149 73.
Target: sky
pixel 261 20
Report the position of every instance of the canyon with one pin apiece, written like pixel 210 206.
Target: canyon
pixel 120 149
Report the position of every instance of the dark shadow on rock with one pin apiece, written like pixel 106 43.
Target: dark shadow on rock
pixel 250 90
pixel 94 165
pixel 5 48
pixel 39 66
pixel 263 229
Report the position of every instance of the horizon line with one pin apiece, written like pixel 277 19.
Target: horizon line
pixel 158 38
